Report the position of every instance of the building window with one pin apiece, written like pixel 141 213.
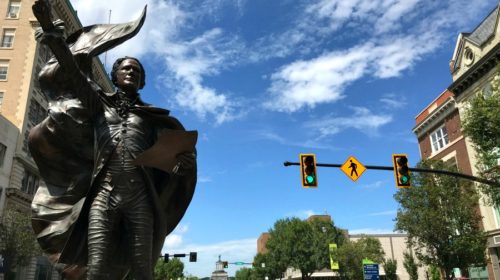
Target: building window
pixel 468 56
pixel 1 99
pixel 14 8
pixel 29 184
pixel 36 112
pixel 4 68
pixel 8 38
pixel 439 139
pixel 3 150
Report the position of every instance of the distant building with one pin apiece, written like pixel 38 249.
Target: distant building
pixel 261 243
pixel 23 105
pixel 219 273
pixel 438 126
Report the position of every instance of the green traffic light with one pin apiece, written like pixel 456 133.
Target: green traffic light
pixel 310 179
pixel 405 179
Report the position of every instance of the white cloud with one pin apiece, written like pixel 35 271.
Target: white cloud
pixel 204 179
pixel 310 143
pixel 394 101
pixel 392 51
pixel 362 119
pixel 185 62
pixel 302 214
pixel 384 213
pixel 175 239
pixel 374 185
pixel 381 15
pixel 321 80
pixel 232 251
pixel 324 79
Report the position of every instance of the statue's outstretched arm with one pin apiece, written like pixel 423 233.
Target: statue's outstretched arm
pixel 53 36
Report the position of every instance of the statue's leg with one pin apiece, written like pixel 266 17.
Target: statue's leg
pixel 139 220
pixel 102 221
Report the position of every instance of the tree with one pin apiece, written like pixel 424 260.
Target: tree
pixel 173 269
pixel 481 124
pixel 390 268
pixel 439 214
pixel 265 265
pixel 301 244
pixel 351 254
pixel 323 234
pixel 245 273
pixel 17 241
pixel 433 273
pixel 410 265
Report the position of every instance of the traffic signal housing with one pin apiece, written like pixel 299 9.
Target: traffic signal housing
pixel 225 264
pixel 308 173
pixel 165 258
pixel 192 256
pixel 401 170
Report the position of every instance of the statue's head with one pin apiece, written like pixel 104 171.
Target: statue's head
pixel 125 64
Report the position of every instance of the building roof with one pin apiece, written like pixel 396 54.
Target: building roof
pixel 481 34
pixel 485 29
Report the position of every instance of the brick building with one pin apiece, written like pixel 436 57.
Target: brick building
pixel 438 126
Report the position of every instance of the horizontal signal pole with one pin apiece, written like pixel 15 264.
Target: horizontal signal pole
pixel 422 170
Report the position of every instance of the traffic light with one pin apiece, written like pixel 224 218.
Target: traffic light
pixel 192 256
pixel 308 172
pixel 225 264
pixel 401 170
pixel 165 258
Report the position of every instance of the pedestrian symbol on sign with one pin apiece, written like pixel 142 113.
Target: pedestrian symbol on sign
pixel 353 168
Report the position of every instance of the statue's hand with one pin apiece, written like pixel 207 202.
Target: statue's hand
pixel 185 163
pixel 41 9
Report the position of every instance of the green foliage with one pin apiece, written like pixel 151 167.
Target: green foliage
pixel 390 268
pixel 434 273
pixel 17 240
pixel 410 265
pixel 351 254
pixel 481 125
pixel 439 215
pixel 245 273
pixel 301 244
pixel 172 270
pixel 265 265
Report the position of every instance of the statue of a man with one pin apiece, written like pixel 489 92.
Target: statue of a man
pixel 101 215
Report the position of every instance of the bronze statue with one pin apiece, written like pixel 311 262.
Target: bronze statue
pixel 101 214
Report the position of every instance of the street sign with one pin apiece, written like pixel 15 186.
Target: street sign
pixel 334 265
pixel 353 168
pixel 371 271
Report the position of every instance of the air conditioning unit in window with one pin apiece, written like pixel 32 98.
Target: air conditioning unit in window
pixel 12 15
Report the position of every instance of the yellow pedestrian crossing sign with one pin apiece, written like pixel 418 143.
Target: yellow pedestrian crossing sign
pixel 353 168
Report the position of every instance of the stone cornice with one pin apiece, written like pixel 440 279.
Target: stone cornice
pixel 482 66
pixel 13 193
pixel 435 117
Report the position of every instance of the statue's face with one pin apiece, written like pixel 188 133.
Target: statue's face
pixel 128 75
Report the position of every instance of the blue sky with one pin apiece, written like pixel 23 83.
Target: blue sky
pixel 263 81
